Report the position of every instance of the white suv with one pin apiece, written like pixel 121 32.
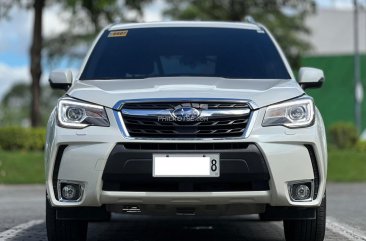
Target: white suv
pixel 186 118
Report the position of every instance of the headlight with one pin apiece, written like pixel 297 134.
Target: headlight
pixel 77 114
pixel 295 113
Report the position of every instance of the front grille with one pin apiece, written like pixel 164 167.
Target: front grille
pixel 213 126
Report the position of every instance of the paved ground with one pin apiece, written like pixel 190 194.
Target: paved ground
pixel 20 204
pixel 22 214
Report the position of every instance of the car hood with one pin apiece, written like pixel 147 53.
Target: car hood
pixel 261 92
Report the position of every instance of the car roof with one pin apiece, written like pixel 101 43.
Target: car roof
pixel 239 25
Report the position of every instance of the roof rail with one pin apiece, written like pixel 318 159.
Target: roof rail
pixel 250 19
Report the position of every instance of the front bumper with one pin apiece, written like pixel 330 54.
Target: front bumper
pixel 285 153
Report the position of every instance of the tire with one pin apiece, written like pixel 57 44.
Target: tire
pixel 263 218
pixel 307 230
pixel 64 230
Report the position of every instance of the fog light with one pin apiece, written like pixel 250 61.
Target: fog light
pixel 70 191
pixel 301 191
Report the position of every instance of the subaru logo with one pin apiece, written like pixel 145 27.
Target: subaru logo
pixel 186 113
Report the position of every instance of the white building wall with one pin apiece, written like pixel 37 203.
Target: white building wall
pixel 332 31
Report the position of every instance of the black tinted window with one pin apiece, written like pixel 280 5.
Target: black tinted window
pixel 197 51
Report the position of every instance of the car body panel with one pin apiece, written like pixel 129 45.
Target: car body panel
pixel 260 92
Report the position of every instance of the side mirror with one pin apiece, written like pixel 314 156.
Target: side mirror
pixel 311 77
pixel 60 79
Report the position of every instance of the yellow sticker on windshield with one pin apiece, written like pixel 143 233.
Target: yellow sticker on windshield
pixel 122 33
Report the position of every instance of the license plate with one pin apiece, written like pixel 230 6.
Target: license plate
pixel 186 165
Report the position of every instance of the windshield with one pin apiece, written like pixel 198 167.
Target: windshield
pixel 184 51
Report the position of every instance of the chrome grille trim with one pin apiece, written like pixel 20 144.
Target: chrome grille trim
pixel 171 105
pixel 120 104
pixel 167 113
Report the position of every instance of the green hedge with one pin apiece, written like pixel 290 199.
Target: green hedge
pixel 361 146
pixel 17 138
pixel 343 135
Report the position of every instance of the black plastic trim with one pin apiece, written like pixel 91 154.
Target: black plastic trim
pixel 313 85
pixel 185 146
pixel 56 168
pixel 314 163
pixel 241 169
pixel 64 87
pixel 83 213
pixel 288 213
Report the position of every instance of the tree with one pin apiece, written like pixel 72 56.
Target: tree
pixel 88 19
pixel 14 105
pixel 35 50
pixel 35 65
pixel 284 18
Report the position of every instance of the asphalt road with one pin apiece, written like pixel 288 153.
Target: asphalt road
pixel 22 218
